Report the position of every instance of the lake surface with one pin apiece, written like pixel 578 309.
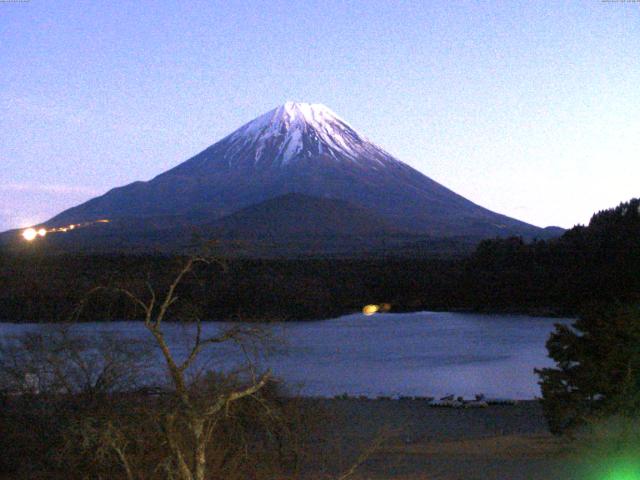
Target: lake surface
pixel 424 353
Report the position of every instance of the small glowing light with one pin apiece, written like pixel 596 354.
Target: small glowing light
pixel 29 234
pixel 370 309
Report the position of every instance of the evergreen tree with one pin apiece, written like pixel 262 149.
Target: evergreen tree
pixel 597 370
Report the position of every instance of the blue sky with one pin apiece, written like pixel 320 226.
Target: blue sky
pixel 531 109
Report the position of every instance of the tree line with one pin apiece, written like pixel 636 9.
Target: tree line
pixel 595 263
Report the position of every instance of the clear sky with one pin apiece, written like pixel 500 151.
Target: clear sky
pixel 531 108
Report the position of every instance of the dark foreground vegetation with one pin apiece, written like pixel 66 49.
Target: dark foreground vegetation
pixel 595 263
pixel 420 442
pixel 124 436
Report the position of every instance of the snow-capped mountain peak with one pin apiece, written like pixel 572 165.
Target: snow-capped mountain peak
pixel 294 131
pixel 314 114
pixel 297 148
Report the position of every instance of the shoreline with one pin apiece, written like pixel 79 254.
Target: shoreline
pixel 421 442
pixel 534 313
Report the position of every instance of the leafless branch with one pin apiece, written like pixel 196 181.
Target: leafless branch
pixel 364 456
pixel 227 399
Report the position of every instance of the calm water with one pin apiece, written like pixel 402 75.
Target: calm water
pixel 423 353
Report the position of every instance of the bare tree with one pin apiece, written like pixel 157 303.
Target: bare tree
pixel 53 377
pixel 58 359
pixel 196 411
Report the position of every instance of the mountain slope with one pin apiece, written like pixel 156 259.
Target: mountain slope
pixel 295 215
pixel 299 148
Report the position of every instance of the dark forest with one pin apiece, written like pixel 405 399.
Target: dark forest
pixel 598 263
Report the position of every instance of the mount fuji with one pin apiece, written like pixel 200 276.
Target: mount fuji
pixel 297 154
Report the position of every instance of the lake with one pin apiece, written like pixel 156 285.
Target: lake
pixel 418 354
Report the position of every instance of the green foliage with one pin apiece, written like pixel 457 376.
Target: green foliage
pixel 597 370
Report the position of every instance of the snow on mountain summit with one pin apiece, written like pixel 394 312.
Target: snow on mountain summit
pixel 298 130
